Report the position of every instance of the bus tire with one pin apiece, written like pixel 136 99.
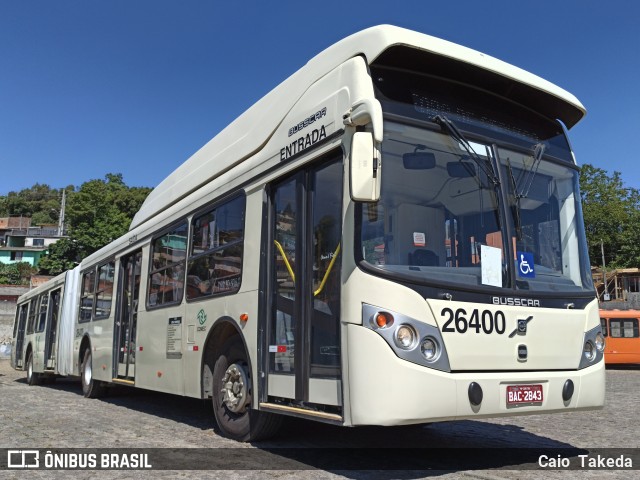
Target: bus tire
pixel 231 392
pixel 33 378
pixel 91 388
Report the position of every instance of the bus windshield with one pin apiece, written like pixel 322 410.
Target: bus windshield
pixel 441 218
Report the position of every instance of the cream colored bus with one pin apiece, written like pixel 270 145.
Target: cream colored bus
pixel 391 236
pixel 43 329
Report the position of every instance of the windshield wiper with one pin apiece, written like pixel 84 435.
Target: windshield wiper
pixel 515 207
pixel 529 176
pixel 457 135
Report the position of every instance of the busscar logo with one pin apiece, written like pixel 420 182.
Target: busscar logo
pixel 304 142
pixel 308 121
pixel 515 301
pixel 521 329
pixel 23 459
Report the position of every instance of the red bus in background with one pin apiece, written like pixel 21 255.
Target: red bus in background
pixel 621 329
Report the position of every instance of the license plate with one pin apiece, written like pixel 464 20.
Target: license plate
pixel 523 395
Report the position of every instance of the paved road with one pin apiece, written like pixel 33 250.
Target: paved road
pixel 58 416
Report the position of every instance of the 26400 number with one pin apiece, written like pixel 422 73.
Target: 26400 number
pixel 485 321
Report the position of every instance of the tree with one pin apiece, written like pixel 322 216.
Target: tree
pixel 611 215
pixel 101 211
pixel 16 273
pixel 630 237
pixel 40 202
pixel 62 256
pixel 97 213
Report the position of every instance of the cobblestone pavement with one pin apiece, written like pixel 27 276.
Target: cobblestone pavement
pixel 58 416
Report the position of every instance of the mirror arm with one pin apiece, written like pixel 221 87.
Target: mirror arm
pixel 363 112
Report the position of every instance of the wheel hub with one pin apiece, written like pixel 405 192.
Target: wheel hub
pixel 87 373
pixel 235 388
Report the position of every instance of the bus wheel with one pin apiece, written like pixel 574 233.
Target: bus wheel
pixel 232 397
pixel 91 388
pixel 33 378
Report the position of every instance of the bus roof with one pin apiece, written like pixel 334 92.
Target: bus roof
pixel 250 131
pixel 48 285
pixel 619 313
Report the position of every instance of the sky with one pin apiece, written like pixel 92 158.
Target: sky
pixel 92 87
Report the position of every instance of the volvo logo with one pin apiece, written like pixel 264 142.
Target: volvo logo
pixel 521 329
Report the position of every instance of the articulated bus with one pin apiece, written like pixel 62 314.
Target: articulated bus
pixel 43 329
pixel 621 329
pixel 391 236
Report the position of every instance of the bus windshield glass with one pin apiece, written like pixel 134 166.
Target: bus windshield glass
pixel 438 213
pixel 442 218
pixel 545 205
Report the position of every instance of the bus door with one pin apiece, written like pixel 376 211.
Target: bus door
pixel 303 332
pixel 18 334
pixel 124 332
pixel 50 345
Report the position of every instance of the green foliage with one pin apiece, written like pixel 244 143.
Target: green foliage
pixel 101 211
pixel 40 202
pixel 16 273
pixel 63 255
pixel 96 213
pixel 611 216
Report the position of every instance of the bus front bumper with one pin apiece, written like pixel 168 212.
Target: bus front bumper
pixel 386 390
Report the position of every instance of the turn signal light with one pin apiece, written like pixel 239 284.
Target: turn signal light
pixel 383 319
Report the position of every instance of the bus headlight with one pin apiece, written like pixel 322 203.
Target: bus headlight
pixel 410 339
pixel 593 348
pixel 405 337
pixel 429 349
pixel 589 351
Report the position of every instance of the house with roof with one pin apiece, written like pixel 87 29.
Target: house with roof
pixel 21 242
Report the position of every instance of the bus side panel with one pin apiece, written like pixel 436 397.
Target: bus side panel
pixel 38 352
pixel 158 341
pixel 622 350
pixel 624 347
pixel 202 315
pixel 101 334
pixel 158 349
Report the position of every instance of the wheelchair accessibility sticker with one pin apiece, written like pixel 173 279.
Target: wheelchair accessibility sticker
pixel 525 265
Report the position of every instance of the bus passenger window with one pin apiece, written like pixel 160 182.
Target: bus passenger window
pixel 42 315
pixel 166 278
pixel 86 302
pixel 215 261
pixel 104 290
pixel 33 307
pixel 603 325
pixel 624 328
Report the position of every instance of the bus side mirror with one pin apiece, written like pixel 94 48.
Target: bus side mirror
pixel 365 168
